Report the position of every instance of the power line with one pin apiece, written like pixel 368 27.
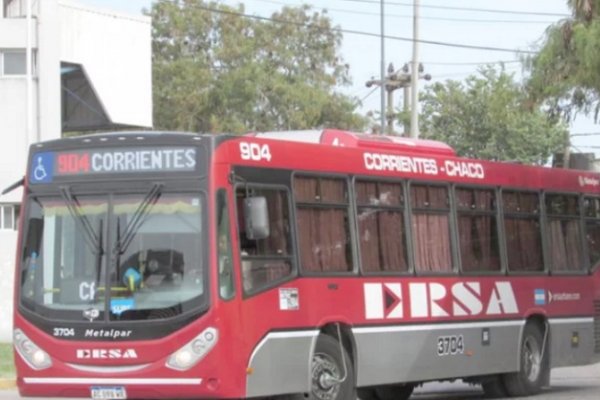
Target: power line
pixel 453 74
pixel 362 33
pixel 586 134
pixel 485 10
pixel 473 63
pixel 410 16
pixel 369 94
pixel 112 14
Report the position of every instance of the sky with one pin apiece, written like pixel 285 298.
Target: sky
pixel 520 27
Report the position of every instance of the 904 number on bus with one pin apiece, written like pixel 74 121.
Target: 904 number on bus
pixel 255 151
pixel 450 345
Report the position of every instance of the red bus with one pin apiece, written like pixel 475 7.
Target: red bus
pixel 314 264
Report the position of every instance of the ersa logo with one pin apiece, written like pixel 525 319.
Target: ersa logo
pixel 436 300
pixel 42 168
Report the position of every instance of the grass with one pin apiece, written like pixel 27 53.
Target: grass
pixel 7 368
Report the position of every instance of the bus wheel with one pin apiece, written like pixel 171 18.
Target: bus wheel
pixel 332 372
pixel 394 392
pixel 529 379
pixel 332 377
pixel 493 387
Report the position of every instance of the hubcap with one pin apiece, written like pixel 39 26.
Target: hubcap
pixel 532 359
pixel 325 376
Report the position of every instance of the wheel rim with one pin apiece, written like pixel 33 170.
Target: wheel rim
pixel 325 377
pixel 532 359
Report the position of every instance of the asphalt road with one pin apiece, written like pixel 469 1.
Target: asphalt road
pixel 577 383
pixel 573 383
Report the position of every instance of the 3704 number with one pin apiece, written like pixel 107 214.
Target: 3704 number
pixel 450 345
pixel 63 332
pixel 255 151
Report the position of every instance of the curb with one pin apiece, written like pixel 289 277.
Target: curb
pixel 7 384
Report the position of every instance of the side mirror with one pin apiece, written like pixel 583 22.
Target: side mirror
pixel 257 218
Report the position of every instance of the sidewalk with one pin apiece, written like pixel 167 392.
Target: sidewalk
pixel 7 383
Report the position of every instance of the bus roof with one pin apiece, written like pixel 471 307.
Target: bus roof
pixel 334 137
pixel 336 151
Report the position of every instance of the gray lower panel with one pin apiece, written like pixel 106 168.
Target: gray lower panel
pixel 281 364
pixel 410 353
pixel 571 341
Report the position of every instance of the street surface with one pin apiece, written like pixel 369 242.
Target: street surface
pixel 577 383
pixel 573 383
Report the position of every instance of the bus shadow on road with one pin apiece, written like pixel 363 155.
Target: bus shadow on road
pixel 474 393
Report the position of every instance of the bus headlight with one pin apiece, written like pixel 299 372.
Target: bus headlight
pixel 190 354
pixel 35 357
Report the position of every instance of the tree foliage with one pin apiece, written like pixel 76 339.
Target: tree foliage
pixel 218 71
pixel 488 116
pixel 564 74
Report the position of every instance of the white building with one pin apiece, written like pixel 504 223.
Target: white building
pixel 88 69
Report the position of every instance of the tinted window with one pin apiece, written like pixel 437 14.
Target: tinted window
pixel 323 224
pixel 381 226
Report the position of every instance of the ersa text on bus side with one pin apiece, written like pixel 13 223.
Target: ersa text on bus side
pixel 438 300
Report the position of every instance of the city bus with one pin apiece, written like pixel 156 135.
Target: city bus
pixel 290 265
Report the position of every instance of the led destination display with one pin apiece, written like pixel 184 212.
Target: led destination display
pixel 45 166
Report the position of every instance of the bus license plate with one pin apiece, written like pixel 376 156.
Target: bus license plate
pixel 108 393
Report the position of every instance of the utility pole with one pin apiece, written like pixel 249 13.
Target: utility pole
pixel 393 81
pixel 382 76
pixel 414 116
pixel 567 151
pixel 406 107
pixel 390 92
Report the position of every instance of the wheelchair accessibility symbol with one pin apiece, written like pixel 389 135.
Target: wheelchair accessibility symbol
pixel 42 168
pixel 40 172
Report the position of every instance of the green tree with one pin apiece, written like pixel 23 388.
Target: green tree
pixel 488 117
pixel 564 73
pixel 218 71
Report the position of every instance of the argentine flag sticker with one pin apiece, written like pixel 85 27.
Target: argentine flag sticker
pixel 540 297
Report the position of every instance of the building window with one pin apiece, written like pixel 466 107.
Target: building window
pixel 9 216
pixel 13 63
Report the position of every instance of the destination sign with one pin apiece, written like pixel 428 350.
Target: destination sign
pixel 45 166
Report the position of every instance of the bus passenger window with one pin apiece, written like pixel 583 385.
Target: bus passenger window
pixel 269 260
pixel 431 228
pixel 563 232
pixel 592 229
pixel 477 230
pixel 381 226
pixel 523 231
pixel 225 262
pixel 323 224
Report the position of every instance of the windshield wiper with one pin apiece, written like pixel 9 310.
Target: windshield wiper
pixel 100 250
pixel 138 216
pixel 123 241
pixel 90 236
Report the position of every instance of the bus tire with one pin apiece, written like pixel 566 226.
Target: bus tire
pixel 327 365
pixel 494 388
pixel 530 377
pixel 394 392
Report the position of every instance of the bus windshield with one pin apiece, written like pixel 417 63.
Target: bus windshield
pixel 152 267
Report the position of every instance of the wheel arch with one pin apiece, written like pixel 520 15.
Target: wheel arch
pixel 521 383
pixel 348 341
pixel 540 321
